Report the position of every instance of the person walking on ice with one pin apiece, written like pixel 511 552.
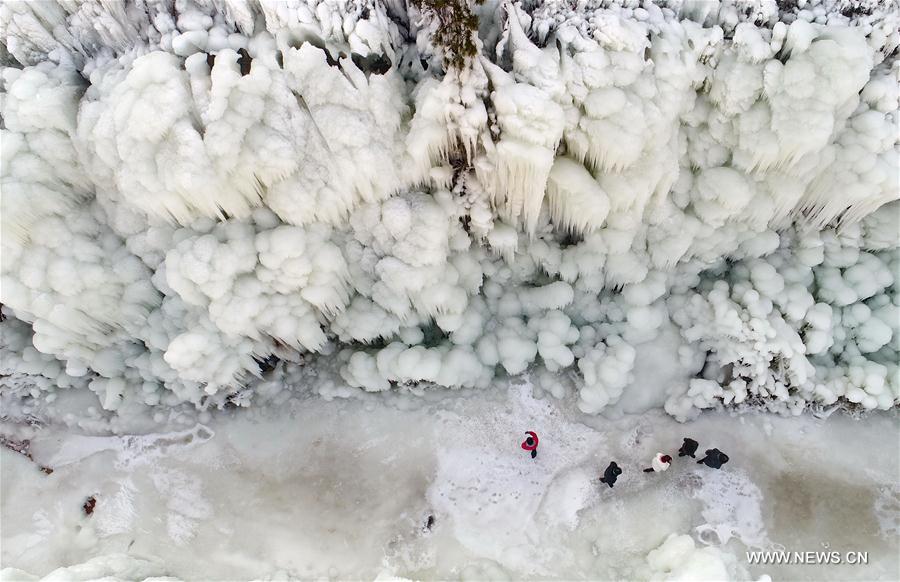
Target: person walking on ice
pixel 611 474
pixel 531 443
pixel 714 458
pixel 688 448
pixel 660 463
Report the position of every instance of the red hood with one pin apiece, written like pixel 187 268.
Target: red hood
pixel 525 444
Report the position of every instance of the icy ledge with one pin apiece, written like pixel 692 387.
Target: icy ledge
pixel 207 203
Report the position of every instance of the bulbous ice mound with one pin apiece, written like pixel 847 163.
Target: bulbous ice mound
pixel 201 199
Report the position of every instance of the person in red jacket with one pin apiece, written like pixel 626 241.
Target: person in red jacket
pixel 531 443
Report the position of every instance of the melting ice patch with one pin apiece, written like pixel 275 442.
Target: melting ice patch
pixel 732 509
pixel 887 510
pixel 130 449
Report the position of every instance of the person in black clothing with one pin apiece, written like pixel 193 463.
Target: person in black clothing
pixel 611 474
pixel 714 458
pixel 688 448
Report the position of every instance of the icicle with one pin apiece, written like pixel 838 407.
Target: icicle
pixel 577 202
pixel 504 241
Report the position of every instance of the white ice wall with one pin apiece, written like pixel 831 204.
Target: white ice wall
pixel 190 193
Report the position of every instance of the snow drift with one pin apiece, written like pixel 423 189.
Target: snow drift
pixel 206 202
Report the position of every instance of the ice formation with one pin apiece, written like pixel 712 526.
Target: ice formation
pixel 204 202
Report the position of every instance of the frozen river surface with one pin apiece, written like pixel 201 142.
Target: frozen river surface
pixel 348 490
